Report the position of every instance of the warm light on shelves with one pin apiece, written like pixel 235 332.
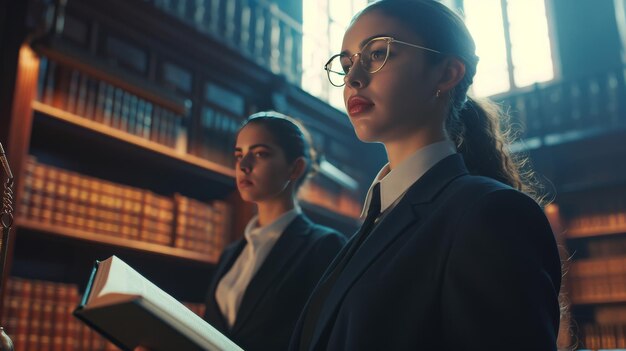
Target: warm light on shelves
pixel 72 233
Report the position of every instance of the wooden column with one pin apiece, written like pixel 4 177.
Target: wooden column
pixel 18 139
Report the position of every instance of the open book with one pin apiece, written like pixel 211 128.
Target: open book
pixel 129 310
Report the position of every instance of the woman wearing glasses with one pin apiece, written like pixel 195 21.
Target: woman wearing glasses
pixel 452 254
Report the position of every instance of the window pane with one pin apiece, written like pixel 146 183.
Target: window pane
pixel 484 20
pixel 530 42
pixel 324 23
pixel 340 11
pixel 314 46
pixel 357 5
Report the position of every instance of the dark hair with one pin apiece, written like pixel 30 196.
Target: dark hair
pixel 292 138
pixel 479 129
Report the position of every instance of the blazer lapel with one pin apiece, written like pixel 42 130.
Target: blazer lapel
pixel 229 257
pixel 390 227
pixel 285 249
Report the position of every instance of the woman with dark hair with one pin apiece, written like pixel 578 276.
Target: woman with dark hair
pixel 453 255
pixel 263 280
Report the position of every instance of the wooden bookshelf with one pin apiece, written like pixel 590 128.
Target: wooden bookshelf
pixel 76 234
pixel 127 138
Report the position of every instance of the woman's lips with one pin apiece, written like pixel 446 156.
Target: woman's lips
pixel 244 183
pixel 358 105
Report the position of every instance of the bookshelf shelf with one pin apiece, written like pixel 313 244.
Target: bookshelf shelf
pixel 589 301
pixel 76 234
pixel 594 232
pixel 121 136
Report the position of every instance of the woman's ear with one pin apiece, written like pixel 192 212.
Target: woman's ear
pixel 297 169
pixel 453 72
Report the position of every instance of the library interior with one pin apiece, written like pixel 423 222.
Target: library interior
pixel 119 119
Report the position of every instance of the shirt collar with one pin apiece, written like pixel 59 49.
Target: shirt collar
pixel 395 182
pixel 257 236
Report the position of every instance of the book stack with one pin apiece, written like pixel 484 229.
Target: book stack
pixel 598 280
pixel 157 219
pixel 64 198
pixel 38 316
pixel 78 93
pixel 200 226
pixel 603 337
pixel 598 223
pixel 597 215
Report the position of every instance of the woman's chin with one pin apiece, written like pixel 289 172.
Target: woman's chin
pixel 366 136
pixel 247 196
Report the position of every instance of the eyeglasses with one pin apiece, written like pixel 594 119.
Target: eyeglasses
pixel 372 57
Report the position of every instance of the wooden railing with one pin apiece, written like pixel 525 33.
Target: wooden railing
pixel 567 110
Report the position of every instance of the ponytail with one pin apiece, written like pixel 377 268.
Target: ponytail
pixel 482 134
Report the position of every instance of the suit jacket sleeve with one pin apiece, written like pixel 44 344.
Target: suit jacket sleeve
pixel 502 278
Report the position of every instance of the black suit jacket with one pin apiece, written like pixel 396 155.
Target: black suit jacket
pixel 278 291
pixel 461 263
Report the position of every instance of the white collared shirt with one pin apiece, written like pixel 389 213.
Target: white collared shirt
pixel 260 241
pixel 394 183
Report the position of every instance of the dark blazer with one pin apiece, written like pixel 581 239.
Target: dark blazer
pixel 461 263
pixel 278 291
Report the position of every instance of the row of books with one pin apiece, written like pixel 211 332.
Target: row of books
pixel 76 92
pixel 603 337
pixel 598 280
pixel 598 267
pixel 68 199
pixel 200 226
pixel 38 316
pixel 597 223
pixel 603 212
pixel 592 290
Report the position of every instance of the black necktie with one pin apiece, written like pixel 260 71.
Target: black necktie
pixel 321 293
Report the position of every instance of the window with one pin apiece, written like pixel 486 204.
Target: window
pixel 512 41
pixel 324 23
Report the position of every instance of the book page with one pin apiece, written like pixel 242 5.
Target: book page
pixel 125 280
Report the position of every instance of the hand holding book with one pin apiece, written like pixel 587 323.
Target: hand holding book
pixel 132 312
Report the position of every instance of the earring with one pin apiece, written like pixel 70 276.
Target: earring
pixel 438 93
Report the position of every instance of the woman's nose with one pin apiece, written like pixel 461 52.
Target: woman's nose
pixel 245 164
pixel 357 77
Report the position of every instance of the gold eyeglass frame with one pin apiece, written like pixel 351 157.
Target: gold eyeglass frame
pixel 388 40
